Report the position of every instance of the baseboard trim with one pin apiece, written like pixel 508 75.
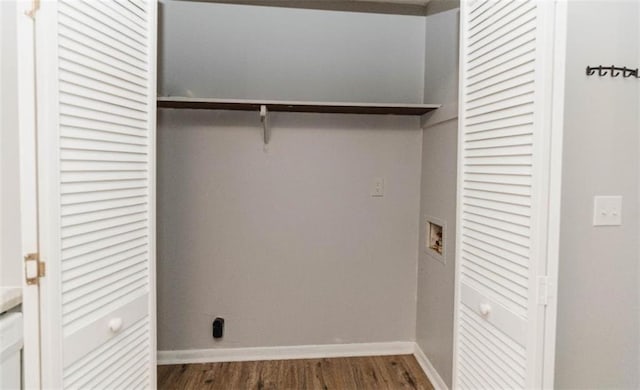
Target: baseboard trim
pixel 429 370
pixel 281 353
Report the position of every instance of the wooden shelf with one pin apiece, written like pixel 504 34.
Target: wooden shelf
pixel 296 106
pixel 398 7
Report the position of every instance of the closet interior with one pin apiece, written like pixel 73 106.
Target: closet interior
pixel 306 170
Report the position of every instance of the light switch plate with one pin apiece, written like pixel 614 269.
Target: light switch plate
pixel 607 210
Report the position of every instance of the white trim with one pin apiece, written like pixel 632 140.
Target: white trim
pixel 462 40
pixel 555 191
pixel 28 191
pixel 152 86
pixel 636 201
pixel 435 378
pixel 48 165
pixel 283 353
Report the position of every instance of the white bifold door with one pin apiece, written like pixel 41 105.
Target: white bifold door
pixel 96 93
pixel 508 193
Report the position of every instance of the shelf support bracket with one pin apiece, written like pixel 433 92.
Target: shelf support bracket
pixel 264 118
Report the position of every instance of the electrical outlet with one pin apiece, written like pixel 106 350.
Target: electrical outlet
pixel 378 187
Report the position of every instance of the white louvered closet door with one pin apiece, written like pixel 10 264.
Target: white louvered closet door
pixel 506 106
pixel 96 149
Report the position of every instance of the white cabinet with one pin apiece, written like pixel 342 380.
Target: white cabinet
pixel 10 351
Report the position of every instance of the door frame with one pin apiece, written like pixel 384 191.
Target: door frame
pixel 27 128
pixel 558 67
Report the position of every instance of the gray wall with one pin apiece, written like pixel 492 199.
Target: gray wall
pixel 287 245
pixel 237 51
pixel 598 329
pixel 10 245
pixel 434 329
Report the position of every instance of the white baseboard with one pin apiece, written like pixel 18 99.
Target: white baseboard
pixel 427 367
pixel 282 353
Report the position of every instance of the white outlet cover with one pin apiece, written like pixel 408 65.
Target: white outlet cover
pixel 607 210
pixel 377 189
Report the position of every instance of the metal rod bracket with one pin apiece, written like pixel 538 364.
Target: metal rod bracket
pixel 264 119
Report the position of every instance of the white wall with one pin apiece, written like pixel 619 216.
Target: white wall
pixel 10 257
pixel 598 325
pixel 288 246
pixel 434 329
pixel 236 51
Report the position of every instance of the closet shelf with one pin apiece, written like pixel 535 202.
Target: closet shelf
pixel 296 106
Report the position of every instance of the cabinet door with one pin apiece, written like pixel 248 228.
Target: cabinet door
pixel 95 85
pixel 504 319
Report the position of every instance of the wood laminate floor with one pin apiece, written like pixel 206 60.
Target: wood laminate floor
pixel 361 373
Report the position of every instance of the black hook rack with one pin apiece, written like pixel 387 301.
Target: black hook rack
pixel 613 71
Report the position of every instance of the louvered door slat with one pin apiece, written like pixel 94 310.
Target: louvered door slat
pixel 127 14
pixel 101 178
pixel 77 199
pixel 502 15
pixel 102 76
pixel 495 80
pixel 501 155
pixel 99 114
pixel 508 19
pixel 72 41
pixel 74 130
pixel 514 271
pixel 131 31
pixel 79 89
pixel 480 11
pixel 100 29
pixel 101 362
pixel 90 271
pixel 135 8
pixel 89 207
pixel 511 50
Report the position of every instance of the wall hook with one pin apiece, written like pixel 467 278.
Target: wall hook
pixel 630 72
pixel 613 71
pixel 264 118
pixel 602 71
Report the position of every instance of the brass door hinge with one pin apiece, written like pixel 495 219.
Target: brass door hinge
pixel 35 6
pixel 34 269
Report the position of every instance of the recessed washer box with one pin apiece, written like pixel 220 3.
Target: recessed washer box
pixel 435 236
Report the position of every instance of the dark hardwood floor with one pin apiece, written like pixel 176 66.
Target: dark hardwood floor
pixel 375 372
